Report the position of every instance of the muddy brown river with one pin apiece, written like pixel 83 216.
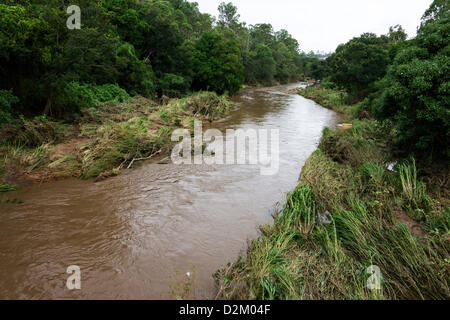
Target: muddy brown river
pixel 136 236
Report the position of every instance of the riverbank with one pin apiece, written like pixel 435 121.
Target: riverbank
pixel 102 141
pixel 356 210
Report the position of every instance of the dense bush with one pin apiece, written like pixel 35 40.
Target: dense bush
pixel 218 64
pixel 7 99
pixel 416 94
pixel 90 96
pixel 360 62
pixel 173 85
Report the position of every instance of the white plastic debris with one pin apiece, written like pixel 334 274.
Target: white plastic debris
pixel 390 166
pixel 324 218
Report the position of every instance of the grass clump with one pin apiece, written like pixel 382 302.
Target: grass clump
pixel 30 133
pixel 7 188
pixel 336 100
pixel 12 201
pixel 208 104
pixel 412 189
pixel 119 142
pixel 298 258
pixel 366 142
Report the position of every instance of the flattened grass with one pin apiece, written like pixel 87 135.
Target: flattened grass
pixel 298 257
pixel 115 134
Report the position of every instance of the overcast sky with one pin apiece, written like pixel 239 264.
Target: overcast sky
pixel 324 24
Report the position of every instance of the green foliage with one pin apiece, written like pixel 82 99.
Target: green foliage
pixel 7 99
pixel 91 96
pixel 150 48
pixel 416 92
pixel 260 66
pixel 30 133
pixel 217 64
pixel 7 188
pixel 413 189
pixel 360 62
pixel 439 9
pixel 228 16
pixel 136 76
pixel 172 85
pixel 327 97
pixel 12 201
pixel 372 174
pixel 397 33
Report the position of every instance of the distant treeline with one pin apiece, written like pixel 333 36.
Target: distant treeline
pixel 147 47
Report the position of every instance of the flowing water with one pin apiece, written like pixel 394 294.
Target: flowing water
pixel 136 236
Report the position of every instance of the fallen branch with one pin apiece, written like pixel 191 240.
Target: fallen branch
pixel 121 165
pixel 142 159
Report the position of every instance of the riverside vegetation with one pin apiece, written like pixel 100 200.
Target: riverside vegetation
pixel 105 137
pixel 82 102
pixel 396 220
pixel 374 195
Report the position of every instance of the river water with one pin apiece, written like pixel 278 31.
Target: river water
pixel 136 236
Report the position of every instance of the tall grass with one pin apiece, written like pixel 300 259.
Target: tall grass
pixel 413 189
pixel 299 258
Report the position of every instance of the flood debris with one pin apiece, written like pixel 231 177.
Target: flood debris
pixel 7 188
pixel 345 126
pixel 324 218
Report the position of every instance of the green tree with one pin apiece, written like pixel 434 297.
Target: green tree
pixel 439 9
pixel 228 16
pixel 416 92
pixel 360 62
pixel 7 100
pixel 136 76
pixel 217 63
pixel 262 34
pixel 397 33
pixel 261 66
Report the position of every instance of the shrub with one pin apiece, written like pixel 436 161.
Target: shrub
pixel 79 95
pixel 173 85
pixel 7 99
pixel 416 93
